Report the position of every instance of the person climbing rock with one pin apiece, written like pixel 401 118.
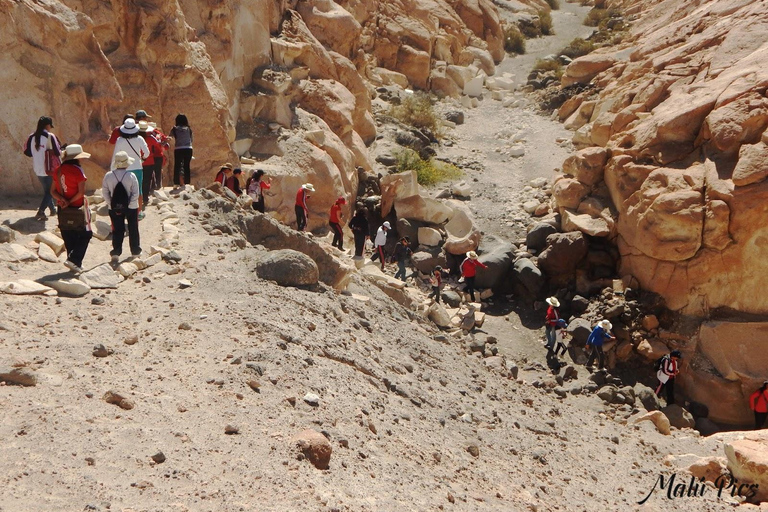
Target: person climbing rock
pixel 182 150
pixel 334 219
pixel 669 367
pixel 758 402
pixel 436 280
pixel 402 254
pixel 380 242
pixel 598 336
pixel 360 230
pixel 44 149
pixel 256 187
pixel 68 189
pixel 302 210
pixel 469 271
pixel 120 190
pixel 553 315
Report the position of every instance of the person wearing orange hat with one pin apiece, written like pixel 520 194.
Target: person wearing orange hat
pixel 335 222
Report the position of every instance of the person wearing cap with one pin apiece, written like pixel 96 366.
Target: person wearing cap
pixel 599 335
pixel 225 171
pixel 141 115
pixel 45 150
pixel 435 281
pixel 116 130
pixel 135 147
pixel 68 189
pixel 334 219
pixel 402 253
pixel 758 402
pixel 553 315
pixel 560 335
pixel 360 230
pixel 469 271
pixel 119 217
pixel 256 187
pixel 380 242
pixel 151 172
pixel 669 367
pixel 182 150
pixel 302 210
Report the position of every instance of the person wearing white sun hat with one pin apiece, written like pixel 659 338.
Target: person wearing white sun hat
pixel 553 315
pixel 302 210
pixel 121 193
pixel 469 271
pixel 600 334
pixel 68 190
pixel 135 147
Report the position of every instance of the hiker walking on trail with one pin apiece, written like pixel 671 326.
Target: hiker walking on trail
pixel 335 223
pixel 255 187
pixel 380 242
pixel 68 189
pixel 302 210
pixel 121 192
pixel 151 176
pixel 182 150
pixel 553 315
pixel 135 147
pixel 360 229
pixel 668 368
pixel 560 334
pixel 758 402
pixel 156 182
pixel 469 271
pixel 600 334
pixel 436 280
pixel 44 149
pixel 116 130
pixel 402 253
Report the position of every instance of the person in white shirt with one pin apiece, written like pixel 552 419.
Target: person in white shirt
pixel 123 206
pixel 37 146
pixel 380 242
pixel 136 148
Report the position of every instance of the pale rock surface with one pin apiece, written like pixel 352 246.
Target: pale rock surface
pixel 51 240
pixel 748 461
pixel 70 287
pixel 429 236
pixel 15 253
pixel 103 276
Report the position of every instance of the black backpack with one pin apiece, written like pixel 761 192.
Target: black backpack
pixel 28 146
pixel 659 363
pixel 120 197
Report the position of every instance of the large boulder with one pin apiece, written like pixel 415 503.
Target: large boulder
pixel 678 417
pixel 592 226
pixel 579 329
pixel 584 69
pixel 402 192
pixel 748 462
pixel 528 275
pixel 586 165
pixel 569 193
pixel 536 239
pixel 647 397
pixel 563 253
pixel 425 261
pixel 439 315
pixel 429 237
pixel 288 268
pixel 409 228
pixel 497 255
pixel 7 234
pixel 658 419
pixel 463 234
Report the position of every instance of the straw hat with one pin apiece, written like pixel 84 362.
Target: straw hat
pixel 145 127
pixel 74 152
pixel 122 160
pixel 472 255
pixel 226 166
pixel 552 301
pixel 605 324
pixel 308 186
pixel 129 127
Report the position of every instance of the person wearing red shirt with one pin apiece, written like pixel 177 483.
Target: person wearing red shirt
pixel 553 315
pixel 149 165
pixel 233 182
pixel 224 173
pixel 255 187
pixel 116 130
pixel 469 270
pixel 302 211
pixel 758 402
pixel 335 222
pixel 68 189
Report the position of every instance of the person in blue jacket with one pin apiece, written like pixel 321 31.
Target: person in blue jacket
pixel 600 334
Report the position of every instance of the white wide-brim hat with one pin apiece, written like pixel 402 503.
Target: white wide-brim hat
pixel 74 152
pixel 472 255
pixel 129 127
pixel 122 160
pixel 605 324
pixel 552 301
pixel 308 186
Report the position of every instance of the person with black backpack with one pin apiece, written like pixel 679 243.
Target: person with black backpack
pixel 667 369
pixel 121 192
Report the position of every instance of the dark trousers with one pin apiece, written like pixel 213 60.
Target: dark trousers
pixel 118 221
pixel 182 159
pixel 760 418
pixel 400 274
pixel 47 201
pixel 359 243
pixel 378 253
pixel 597 353
pixel 76 243
pixel 153 180
pixel 301 218
pixel 670 387
pixel 470 287
pixel 259 205
pixel 551 336
pixel 338 235
pixel 435 293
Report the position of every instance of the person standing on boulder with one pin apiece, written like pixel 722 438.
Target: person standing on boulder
pixel 380 242
pixel 360 229
pixel 68 189
pixel 302 210
pixel 758 402
pixel 553 315
pixel 44 148
pixel 600 334
pixel 334 219
pixel 469 271
pixel 182 150
pixel 120 190
pixel 402 253
pixel 669 367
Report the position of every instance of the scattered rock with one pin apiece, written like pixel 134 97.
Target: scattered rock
pixel 15 253
pixel 657 418
pixel 536 239
pixel 473 450
pixel 184 283
pixel 748 462
pixel 7 235
pixel 650 322
pixel 288 268
pixel 103 276
pixel 184 326
pixel 119 399
pixel 315 447
pixel 18 376
pixel 71 287
pixel 678 417
pixel 312 399
pixel 231 430
pixel 647 397
pixel 131 340
pixel 24 287
pixel 45 253
pixel 101 351
pixel 159 458
pixel 51 240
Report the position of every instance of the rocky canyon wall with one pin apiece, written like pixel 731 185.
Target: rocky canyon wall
pixel 287 82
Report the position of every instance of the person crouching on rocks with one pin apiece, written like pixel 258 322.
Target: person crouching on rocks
pixel 553 315
pixel 436 280
pixel 758 402
pixel 669 367
pixel 302 210
pixel 360 229
pixel 599 335
pixel 335 222
pixel 121 192
pixel 380 242
pixel 469 271
pixel 68 190
pixel 402 253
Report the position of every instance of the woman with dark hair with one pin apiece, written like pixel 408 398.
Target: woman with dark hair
pixel 135 147
pixel 68 189
pixel 361 231
pixel 44 148
pixel 255 187
pixel 758 402
pixel 182 151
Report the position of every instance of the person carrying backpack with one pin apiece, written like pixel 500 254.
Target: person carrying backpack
pixel 668 368
pixel 560 335
pixel 599 335
pixel 360 230
pixel 758 402
pixel 256 187
pixel 44 149
pixel 121 192
pixel 402 253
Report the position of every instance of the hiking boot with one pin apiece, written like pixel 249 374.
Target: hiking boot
pixel 73 267
pixel 114 259
pixel 41 216
pixel 52 209
pixel 141 215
